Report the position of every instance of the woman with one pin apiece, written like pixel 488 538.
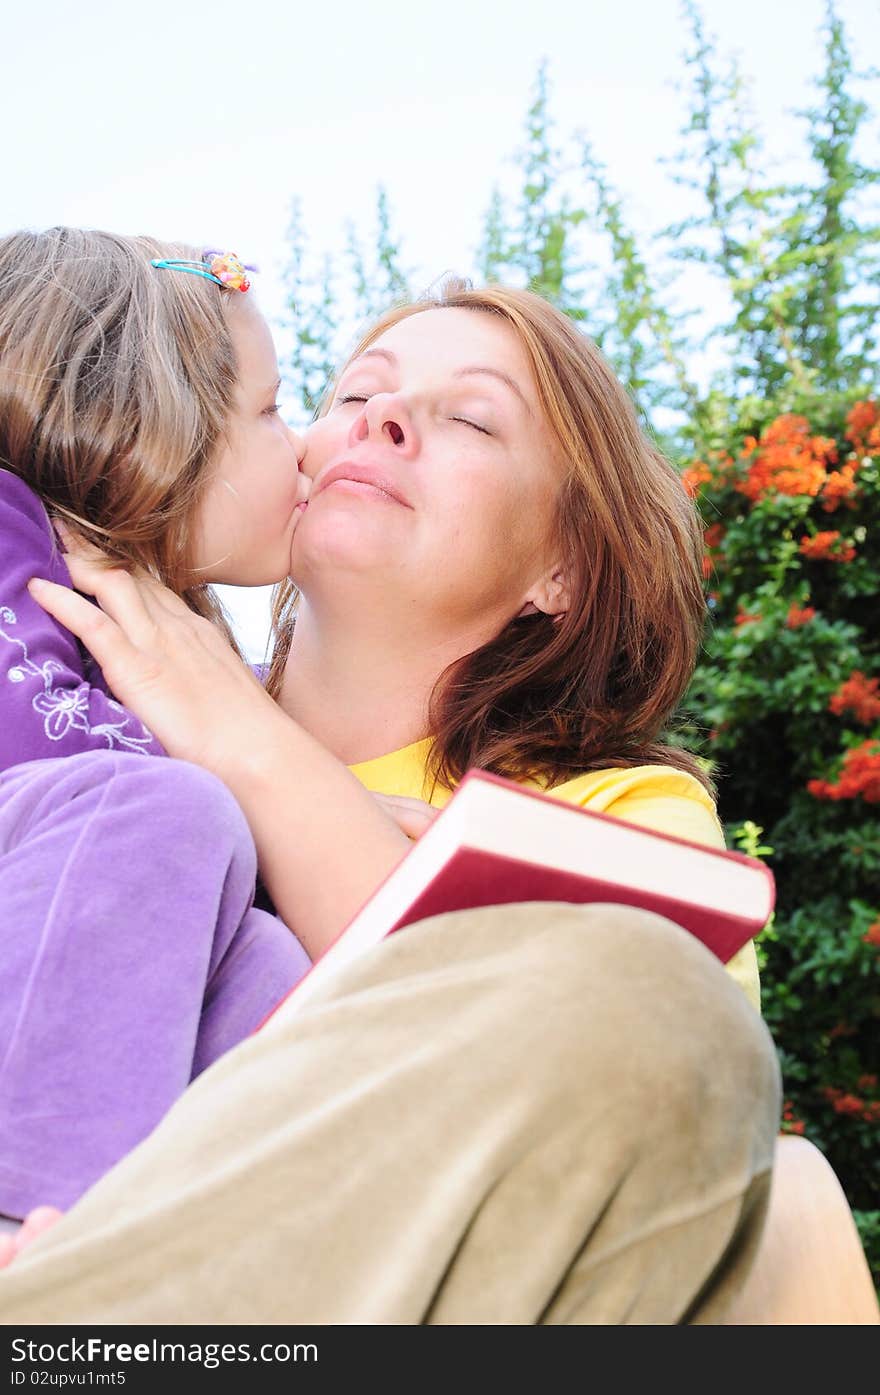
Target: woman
pixel 495 569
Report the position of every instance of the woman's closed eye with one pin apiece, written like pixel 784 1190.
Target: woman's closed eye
pixel 483 430
pixel 465 421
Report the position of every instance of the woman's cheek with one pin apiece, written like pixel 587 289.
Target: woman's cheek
pixel 480 510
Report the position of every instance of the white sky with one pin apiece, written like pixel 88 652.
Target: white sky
pixel 203 121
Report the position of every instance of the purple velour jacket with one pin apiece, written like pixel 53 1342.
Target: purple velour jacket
pixel 53 699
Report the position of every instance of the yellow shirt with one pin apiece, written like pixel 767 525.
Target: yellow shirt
pixel 655 796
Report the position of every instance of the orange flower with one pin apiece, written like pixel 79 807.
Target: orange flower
pixel 840 487
pixel 713 535
pixel 787 460
pixel 861 421
pixel 799 616
pixel 693 477
pixel 860 418
pixel 848 1104
pixel 744 617
pixel 825 447
pixel 872 935
pixel 842 1102
pixel 841 1029
pixel 863 428
pixel 858 695
pixel 859 776
pixel 827 547
pixel 790 1123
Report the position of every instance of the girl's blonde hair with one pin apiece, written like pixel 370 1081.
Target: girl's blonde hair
pixel 545 700
pixel 116 380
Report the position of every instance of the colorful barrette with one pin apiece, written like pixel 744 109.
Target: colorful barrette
pixel 229 270
pixel 224 268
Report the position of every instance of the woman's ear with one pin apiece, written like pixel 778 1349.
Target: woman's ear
pixel 549 596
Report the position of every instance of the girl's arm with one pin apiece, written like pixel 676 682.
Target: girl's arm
pixel 324 842
pixel 51 703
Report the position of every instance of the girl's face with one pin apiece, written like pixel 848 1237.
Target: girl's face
pixel 434 473
pixel 247 517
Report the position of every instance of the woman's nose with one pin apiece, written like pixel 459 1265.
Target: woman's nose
pixel 386 417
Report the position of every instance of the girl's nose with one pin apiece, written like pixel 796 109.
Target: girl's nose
pixel 299 444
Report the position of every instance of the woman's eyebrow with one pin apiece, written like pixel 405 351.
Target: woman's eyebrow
pixel 460 373
pixel 377 353
pixel 367 353
pixel 502 378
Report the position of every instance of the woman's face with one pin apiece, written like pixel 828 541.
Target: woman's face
pixel 433 475
pixel 247 517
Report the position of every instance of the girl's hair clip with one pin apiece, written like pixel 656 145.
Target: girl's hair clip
pixel 225 268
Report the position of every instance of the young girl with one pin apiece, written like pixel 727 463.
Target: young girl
pixel 137 405
pixel 138 386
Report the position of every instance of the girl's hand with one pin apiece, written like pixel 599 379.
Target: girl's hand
pixel 413 816
pixel 170 667
pixel 34 1223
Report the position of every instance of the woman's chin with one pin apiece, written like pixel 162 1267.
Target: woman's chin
pixel 338 539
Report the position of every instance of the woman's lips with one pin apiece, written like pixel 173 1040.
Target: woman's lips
pixel 363 487
pixel 363 480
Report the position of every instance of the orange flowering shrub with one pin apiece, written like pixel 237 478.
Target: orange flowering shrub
pixel 744 617
pixel 790 1122
pixel 841 1029
pixel 799 615
pixel 858 695
pixel 840 488
pixel 695 476
pixel 843 1102
pixel 859 778
pixel 863 428
pixel 827 547
pixel 786 459
pixel 785 705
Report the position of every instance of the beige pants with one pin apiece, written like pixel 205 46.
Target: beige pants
pixel 527 1114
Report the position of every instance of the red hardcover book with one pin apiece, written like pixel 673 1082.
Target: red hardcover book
pixel 495 842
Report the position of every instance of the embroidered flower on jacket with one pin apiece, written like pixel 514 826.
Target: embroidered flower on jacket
pixel 64 709
pixel 61 708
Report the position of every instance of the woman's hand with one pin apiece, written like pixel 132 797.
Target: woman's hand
pixel 413 816
pixel 172 668
pixel 323 842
